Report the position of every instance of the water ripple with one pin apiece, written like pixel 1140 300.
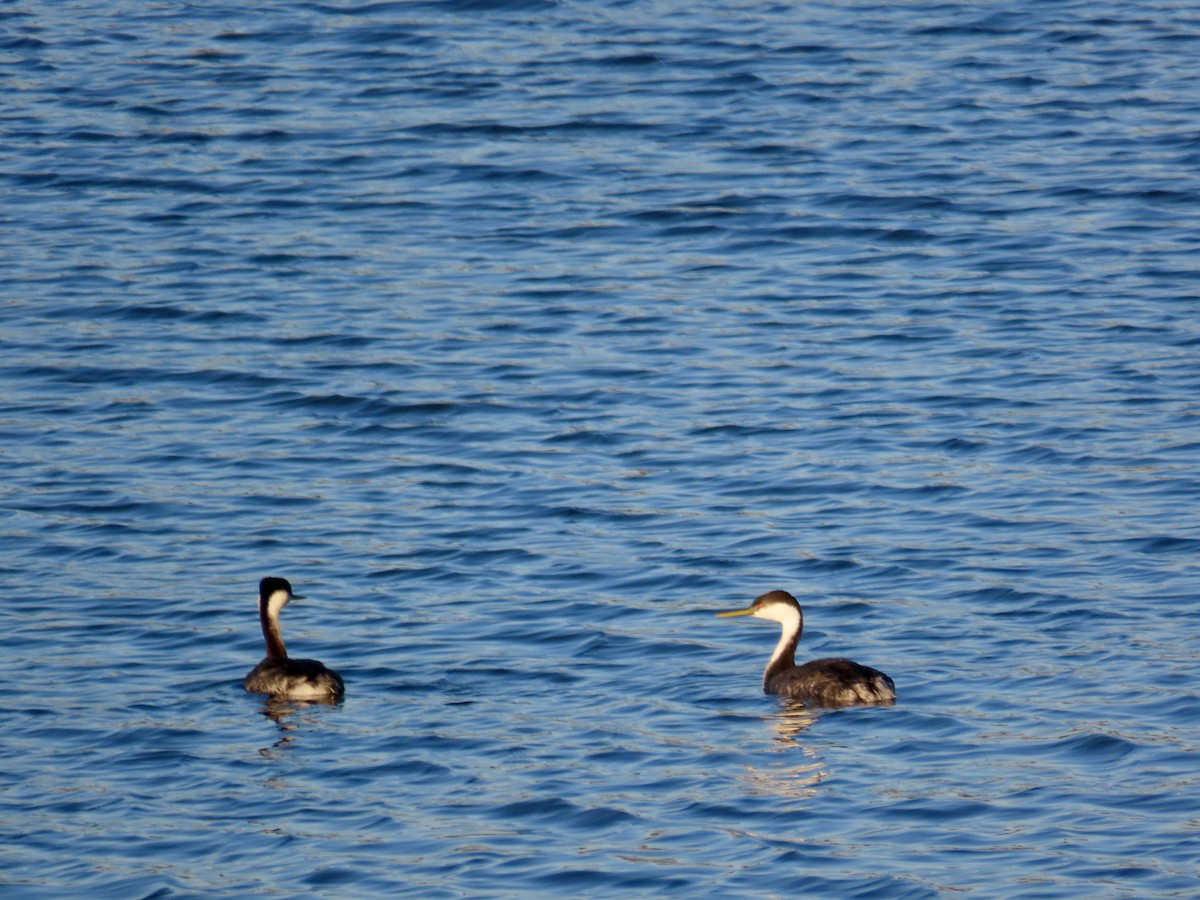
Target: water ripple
pixel 521 337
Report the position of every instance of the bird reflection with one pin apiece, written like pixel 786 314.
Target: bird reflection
pixel 789 775
pixel 280 709
pixel 790 720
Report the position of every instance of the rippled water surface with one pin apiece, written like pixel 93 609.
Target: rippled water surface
pixel 523 336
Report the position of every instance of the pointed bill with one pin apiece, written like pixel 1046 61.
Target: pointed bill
pixel 748 611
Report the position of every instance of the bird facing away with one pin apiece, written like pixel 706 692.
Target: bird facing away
pixel 278 674
pixel 822 682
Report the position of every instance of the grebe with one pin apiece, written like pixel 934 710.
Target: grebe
pixel 278 674
pixel 822 682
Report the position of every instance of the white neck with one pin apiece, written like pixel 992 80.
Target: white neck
pixel 276 602
pixel 789 619
pixel 270 624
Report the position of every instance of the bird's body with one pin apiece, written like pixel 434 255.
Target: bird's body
pixel 278 674
pixel 832 682
pixel 297 679
pixel 823 682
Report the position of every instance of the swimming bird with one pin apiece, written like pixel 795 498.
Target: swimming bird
pixel 278 674
pixel 822 682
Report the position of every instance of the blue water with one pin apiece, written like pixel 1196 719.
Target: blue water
pixel 522 336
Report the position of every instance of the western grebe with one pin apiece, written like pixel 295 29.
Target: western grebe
pixel 822 682
pixel 278 674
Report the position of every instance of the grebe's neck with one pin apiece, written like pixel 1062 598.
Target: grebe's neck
pixel 791 621
pixel 268 613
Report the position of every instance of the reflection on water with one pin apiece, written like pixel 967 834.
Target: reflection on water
pixel 799 769
pixel 796 779
pixel 278 710
pixel 790 720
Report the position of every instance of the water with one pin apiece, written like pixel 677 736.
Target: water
pixel 523 336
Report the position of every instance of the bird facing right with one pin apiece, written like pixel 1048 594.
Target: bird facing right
pixel 279 674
